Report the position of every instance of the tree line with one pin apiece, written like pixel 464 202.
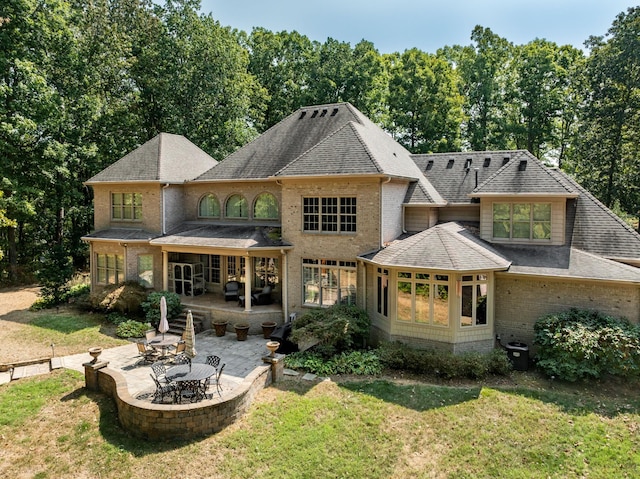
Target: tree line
pixel 83 82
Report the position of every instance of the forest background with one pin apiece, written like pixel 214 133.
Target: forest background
pixel 83 82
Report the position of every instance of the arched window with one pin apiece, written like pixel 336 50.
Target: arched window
pixel 236 207
pixel 209 207
pixel 265 207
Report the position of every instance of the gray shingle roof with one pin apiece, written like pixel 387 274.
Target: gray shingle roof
pixel 563 261
pixel 454 174
pixel 595 228
pixel 447 247
pixel 221 236
pixel 166 158
pixel 525 174
pixel 121 234
pixel 283 142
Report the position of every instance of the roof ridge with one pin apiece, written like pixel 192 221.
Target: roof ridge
pixel 365 145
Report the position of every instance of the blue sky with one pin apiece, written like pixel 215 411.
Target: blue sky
pixel 396 25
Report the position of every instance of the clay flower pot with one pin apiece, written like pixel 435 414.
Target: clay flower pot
pixel 267 328
pixel 242 330
pixel 220 327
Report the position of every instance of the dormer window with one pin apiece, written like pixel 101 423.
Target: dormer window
pixel 522 221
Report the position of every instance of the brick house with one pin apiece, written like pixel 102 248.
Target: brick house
pixel 443 250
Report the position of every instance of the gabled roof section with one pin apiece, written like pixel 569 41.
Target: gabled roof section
pixel 284 142
pixel 455 175
pixel 166 158
pixel 524 174
pixel 596 228
pixel 445 247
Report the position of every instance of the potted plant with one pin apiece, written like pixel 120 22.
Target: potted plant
pixel 242 330
pixel 267 328
pixel 220 327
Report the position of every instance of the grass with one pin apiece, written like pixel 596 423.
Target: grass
pixel 363 429
pixel 69 332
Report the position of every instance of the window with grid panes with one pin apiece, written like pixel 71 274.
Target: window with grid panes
pixel 328 282
pixel 329 214
pixel 126 206
pixel 109 268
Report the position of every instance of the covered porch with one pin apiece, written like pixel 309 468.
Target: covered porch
pixel 202 262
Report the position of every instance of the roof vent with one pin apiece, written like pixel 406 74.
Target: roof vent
pixel 334 112
pixel 523 165
pixel 487 162
pixel 467 163
pixel 302 115
pixel 315 113
pixel 324 112
pixel 429 165
pixel 450 164
pixel 505 160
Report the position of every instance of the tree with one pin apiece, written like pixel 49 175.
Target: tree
pixel 608 160
pixel 425 108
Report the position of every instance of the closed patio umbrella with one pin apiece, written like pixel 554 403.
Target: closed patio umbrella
pixel 190 337
pixel 163 327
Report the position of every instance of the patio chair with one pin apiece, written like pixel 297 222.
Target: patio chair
pixel 263 297
pixel 149 334
pixel 182 359
pixel 160 371
pixel 163 390
pixel 179 351
pixel 231 291
pixel 213 361
pixel 216 380
pixel 191 390
pixel 149 355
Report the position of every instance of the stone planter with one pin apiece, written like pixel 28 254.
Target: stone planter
pixel 267 328
pixel 242 330
pixel 220 327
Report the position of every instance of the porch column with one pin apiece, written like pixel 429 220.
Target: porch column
pixel 165 271
pixel 284 284
pixel 248 274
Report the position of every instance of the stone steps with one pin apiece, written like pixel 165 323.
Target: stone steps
pixel 178 325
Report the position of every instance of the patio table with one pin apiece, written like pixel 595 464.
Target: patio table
pixel 183 374
pixel 163 343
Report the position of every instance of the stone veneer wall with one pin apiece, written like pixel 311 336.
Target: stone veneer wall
pixel 180 421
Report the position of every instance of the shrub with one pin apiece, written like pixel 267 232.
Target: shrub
pixel 116 318
pixel 151 306
pixel 443 364
pixel 132 329
pixel 579 344
pixel 338 328
pixel 124 298
pixel 351 362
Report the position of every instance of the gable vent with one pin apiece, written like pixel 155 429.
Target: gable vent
pixel 450 164
pixel 334 112
pixel 315 113
pixel 429 165
pixel 487 162
pixel 324 112
pixel 302 115
pixel 523 165
pixel 505 160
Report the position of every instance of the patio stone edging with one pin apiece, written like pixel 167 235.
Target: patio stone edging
pixel 180 421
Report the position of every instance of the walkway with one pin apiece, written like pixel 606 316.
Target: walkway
pixel 240 358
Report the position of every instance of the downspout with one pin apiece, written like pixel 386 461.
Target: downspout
pixel 381 209
pixel 164 214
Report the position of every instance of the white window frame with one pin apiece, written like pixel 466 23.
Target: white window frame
pixel 533 222
pixel 324 278
pixel 329 214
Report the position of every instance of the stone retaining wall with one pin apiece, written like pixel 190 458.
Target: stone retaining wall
pixel 177 421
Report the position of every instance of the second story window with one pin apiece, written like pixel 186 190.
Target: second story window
pixel 209 207
pixel 329 214
pixel 236 207
pixel 265 207
pixel 126 206
pixel 522 221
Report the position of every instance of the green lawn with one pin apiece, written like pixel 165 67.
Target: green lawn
pixel 364 429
